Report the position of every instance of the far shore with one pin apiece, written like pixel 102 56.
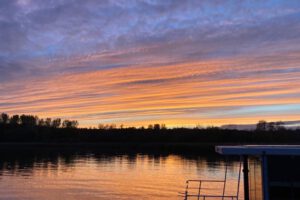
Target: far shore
pixel 193 148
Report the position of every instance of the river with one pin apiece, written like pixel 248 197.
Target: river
pixel 75 175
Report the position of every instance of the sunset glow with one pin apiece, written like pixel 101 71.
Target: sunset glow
pixel 181 63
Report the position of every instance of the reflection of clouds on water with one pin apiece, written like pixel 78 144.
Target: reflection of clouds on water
pixel 77 174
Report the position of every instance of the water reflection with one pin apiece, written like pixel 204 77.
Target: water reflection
pixel 97 174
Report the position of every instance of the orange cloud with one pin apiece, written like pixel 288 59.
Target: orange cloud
pixel 209 92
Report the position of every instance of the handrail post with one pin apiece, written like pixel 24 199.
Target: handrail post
pixel 200 183
pixel 265 183
pixel 246 177
pixel 225 178
pixel 186 190
pixel 239 180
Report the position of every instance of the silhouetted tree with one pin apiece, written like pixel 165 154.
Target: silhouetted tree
pixel 261 125
pixel 199 126
pixel 41 122
pixel 156 127
pixel 56 123
pixel 112 126
pixel 107 126
pixel 48 122
pixel 70 124
pixel 101 126
pixel 15 119
pixel 271 126
pixel 150 126
pixel 4 118
pixel 29 120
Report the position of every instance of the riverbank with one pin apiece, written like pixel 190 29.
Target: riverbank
pixel 117 146
pixel 139 140
pixel 185 148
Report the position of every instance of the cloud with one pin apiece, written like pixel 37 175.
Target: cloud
pixel 191 91
pixel 150 59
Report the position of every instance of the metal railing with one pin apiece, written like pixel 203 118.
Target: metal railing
pixel 192 192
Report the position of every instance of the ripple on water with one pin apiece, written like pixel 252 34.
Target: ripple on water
pixel 106 176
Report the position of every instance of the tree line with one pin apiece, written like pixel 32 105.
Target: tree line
pixel 32 120
pixel 114 126
pixel 263 125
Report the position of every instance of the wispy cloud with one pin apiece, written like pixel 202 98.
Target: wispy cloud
pixel 137 62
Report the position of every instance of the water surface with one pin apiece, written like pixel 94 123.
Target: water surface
pixel 73 175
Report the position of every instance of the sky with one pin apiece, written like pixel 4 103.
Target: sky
pixel 182 63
